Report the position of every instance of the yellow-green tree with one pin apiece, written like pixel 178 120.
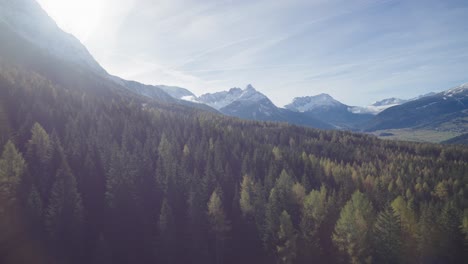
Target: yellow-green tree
pixel 287 240
pixel 353 230
pixel 12 166
pixel 220 226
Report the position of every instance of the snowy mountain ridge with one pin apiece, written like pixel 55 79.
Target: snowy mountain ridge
pixel 311 103
pixel 222 99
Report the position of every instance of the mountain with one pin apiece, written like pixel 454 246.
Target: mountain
pixel 28 21
pixel 150 91
pixel 446 111
pixel 389 102
pixel 251 104
pixel 378 106
pixel 321 102
pixel 176 92
pixel 328 110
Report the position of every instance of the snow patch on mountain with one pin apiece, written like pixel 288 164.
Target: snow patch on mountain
pixel 457 90
pixel 311 103
pixel 219 100
pixel 222 99
pixel 190 98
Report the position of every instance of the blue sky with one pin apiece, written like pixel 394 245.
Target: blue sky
pixel 357 51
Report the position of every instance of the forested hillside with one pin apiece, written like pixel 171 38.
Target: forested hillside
pixel 97 176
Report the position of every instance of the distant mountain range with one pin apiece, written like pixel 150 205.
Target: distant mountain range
pixel 447 110
pixel 251 104
pixel 29 29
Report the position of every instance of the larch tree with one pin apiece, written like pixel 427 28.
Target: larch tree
pixel 246 196
pixel 39 151
pixel 407 218
pixel 314 211
pixel 287 240
pixel 220 226
pixel 12 167
pixel 353 230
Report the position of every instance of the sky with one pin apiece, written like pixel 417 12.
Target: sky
pixel 357 51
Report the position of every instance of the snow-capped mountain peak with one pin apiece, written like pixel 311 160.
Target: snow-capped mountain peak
pixel 222 99
pixel 377 106
pixel 457 90
pixel 250 94
pixel 311 103
pixel 389 102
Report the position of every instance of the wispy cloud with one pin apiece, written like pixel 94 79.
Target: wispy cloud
pixel 358 51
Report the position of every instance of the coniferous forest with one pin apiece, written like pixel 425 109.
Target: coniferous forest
pixel 90 174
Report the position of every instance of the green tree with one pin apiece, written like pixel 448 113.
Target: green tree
pixel 64 214
pixel 39 151
pixel 287 240
pixel 409 228
pixel 353 229
pixel 464 227
pixel 35 210
pixel 441 190
pixel 220 226
pixel 451 239
pixel 39 146
pixel 12 167
pixel 314 211
pixel 280 199
pixel 166 230
pixel 429 234
pixel 246 196
pixel 387 237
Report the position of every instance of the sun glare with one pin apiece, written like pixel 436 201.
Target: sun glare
pixel 78 17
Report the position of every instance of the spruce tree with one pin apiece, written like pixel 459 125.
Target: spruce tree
pixel 387 237
pixel 65 214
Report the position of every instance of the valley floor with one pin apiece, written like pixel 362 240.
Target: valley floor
pixel 416 135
